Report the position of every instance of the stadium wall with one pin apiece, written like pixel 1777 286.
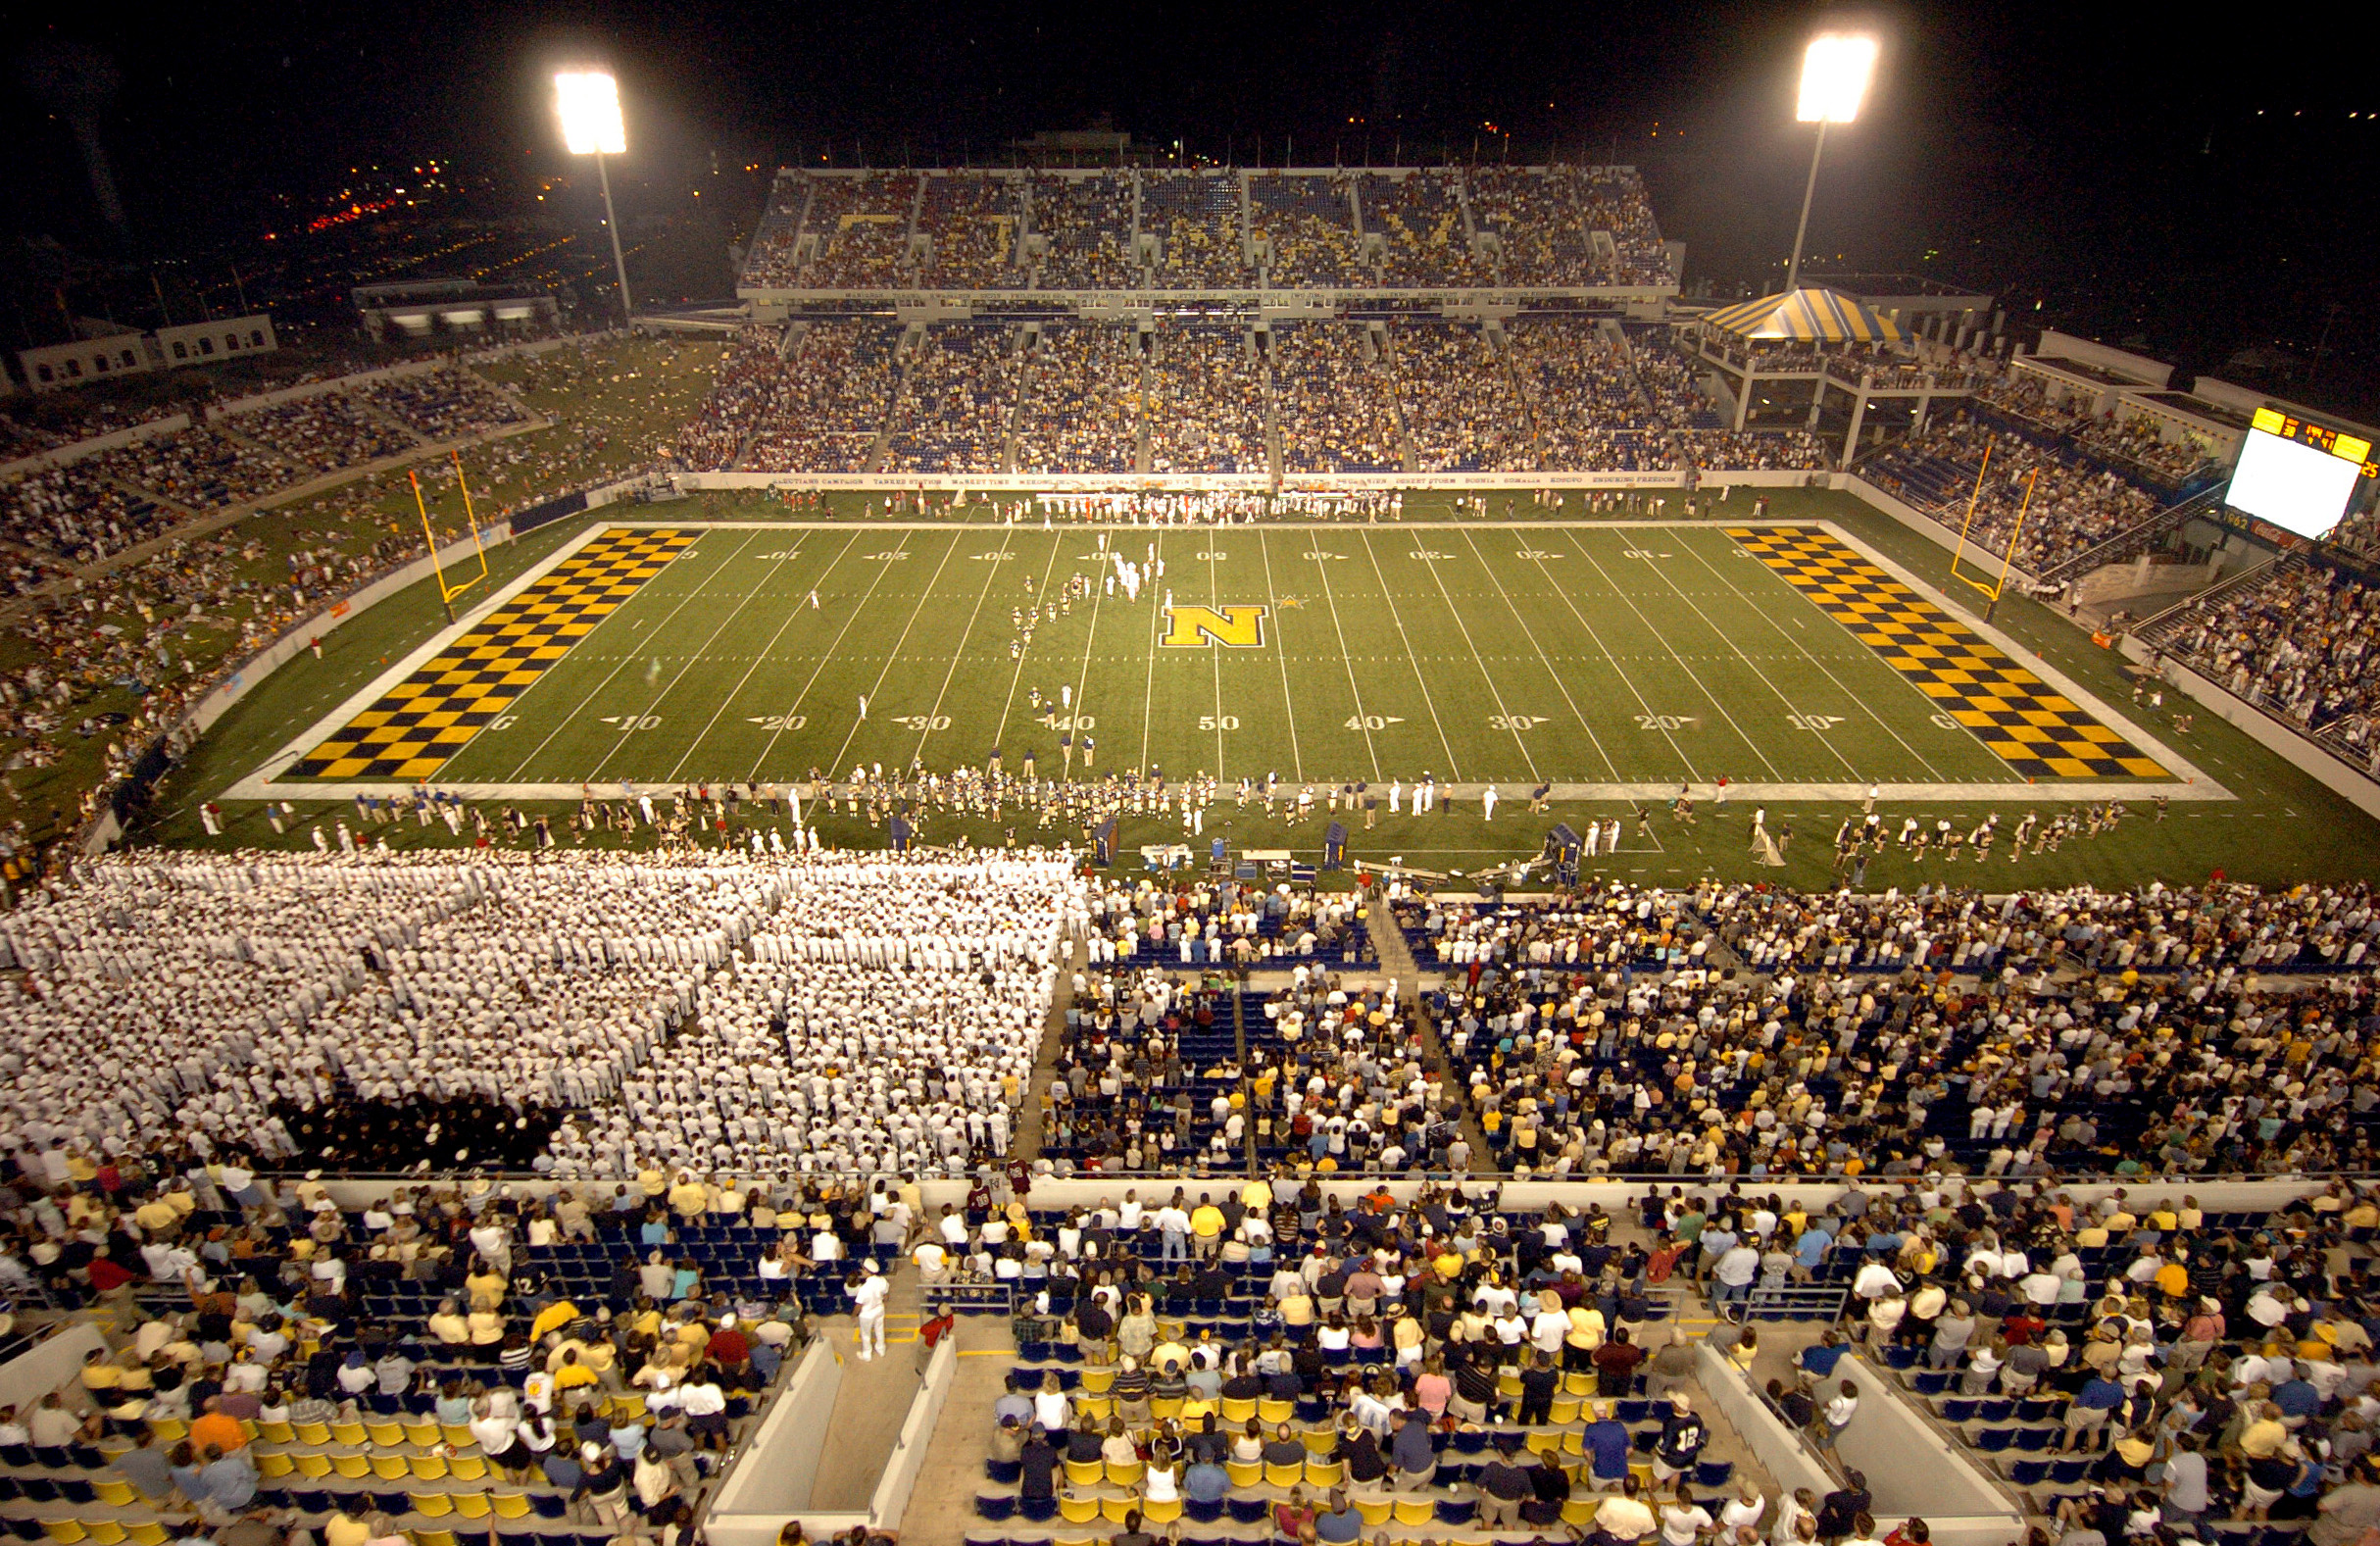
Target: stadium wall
pixel 29 1377
pixel 2339 778
pixel 908 1460
pixel 1194 483
pixel 773 1480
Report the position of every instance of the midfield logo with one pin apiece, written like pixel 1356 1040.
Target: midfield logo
pixel 1238 628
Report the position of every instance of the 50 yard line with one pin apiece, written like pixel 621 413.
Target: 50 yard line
pixel 1280 654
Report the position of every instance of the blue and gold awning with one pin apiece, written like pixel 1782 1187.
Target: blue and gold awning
pixel 1805 315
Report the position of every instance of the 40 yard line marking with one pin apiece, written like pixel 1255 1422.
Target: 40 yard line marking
pixel 1000 731
pixel 877 686
pixel 1454 769
pixel 1323 569
pixel 1531 635
pixel 1214 597
pixel 571 718
pixel 1280 653
pixel 832 651
pixel 992 573
pixel 768 652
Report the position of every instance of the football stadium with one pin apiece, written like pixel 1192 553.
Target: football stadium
pixel 1367 861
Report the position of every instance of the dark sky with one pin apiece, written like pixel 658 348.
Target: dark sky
pixel 2108 163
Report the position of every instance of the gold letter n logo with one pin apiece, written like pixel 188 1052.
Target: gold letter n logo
pixel 1196 627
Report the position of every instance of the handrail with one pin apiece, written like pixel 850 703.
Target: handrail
pixel 2154 527
pixel 2148 625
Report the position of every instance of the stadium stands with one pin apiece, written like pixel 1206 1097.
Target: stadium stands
pixel 1082 411
pixel 1459 403
pixel 2073 505
pixel 1195 217
pixel 973 221
pixel 2297 639
pixel 1308 222
pixel 1419 218
pixel 1337 408
pixel 957 403
pixel 1087 223
pixel 829 400
pixel 1206 402
pixel 861 223
pixel 1584 398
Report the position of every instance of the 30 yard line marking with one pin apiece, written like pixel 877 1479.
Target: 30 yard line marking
pixel 1690 672
pixel 1280 652
pixel 1612 661
pixel 700 656
pixel 1495 694
pixel 1323 568
pixel 1454 769
pixel 991 572
pixel 768 652
pixel 570 718
pixel 1531 635
pixel 877 686
pixel 1932 772
pixel 833 650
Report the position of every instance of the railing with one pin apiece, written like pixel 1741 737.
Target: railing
pixel 2160 626
pixel 2134 540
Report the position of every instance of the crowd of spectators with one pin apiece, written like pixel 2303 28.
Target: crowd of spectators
pixel 77 514
pixel 2132 438
pixel 1306 225
pixel 1087 223
pixel 51 422
pixel 1082 400
pixel 769 262
pixel 1205 402
pixel 862 226
pixel 743 390
pixel 1418 217
pixel 449 403
pixel 1196 219
pixel 1589 410
pixel 197 469
pixel 971 217
pixel 2073 505
pixel 1541 231
pixel 829 400
pixel 324 432
pixel 1461 409
pixel 1337 408
pixel 1759 450
pixel 2298 642
pixel 954 409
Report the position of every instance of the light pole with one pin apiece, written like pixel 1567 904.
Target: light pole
pixel 589 102
pixel 1836 69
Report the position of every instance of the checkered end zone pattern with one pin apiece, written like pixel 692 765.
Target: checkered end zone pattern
pixel 2022 718
pixel 429 716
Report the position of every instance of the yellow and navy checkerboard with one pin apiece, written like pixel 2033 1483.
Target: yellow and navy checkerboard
pixel 422 721
pixel 2037 730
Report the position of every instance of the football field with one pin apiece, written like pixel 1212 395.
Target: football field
pixel 1614 660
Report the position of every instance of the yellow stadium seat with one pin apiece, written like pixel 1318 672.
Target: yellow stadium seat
pixel 64 1532
pixel 311 1464
pixel 271 1463
pixel 316 1434
pixel 276 1432
pixel 1413 1511
pixel 1161 1512
pixel 433 1538
pixel 471 1505
pixel 423 1432
pixel 427 1467
pixel 1321 1472
pixel 1081 1509
pixel 1580 1511
pixel 389 1468
pixel 509 1505
pixel 353 1434
pixel 171 1431
pixel 1170 1407
pixel 459 1434
pixel 431 1505
pixel 355 1468
pixel 1323 1441
pixel 1542 1442
pixel 1563 1410
pixel 116 1493
pixel 471 1466
pixel 630 1406
pixel 148 1533
pixel 1098 1382
pixel 1113 1510
pixel 387 1432
pixel 107 1533
pixel 1125 1475
pixel 1280 1476
pixel 1085 1473
pixel 1573 1442
pixel 1237 1410
pixel 1245 1473
pixel 1576 1385
pixel 1100 1407
pixel 1272 1409
pixel 1375 1511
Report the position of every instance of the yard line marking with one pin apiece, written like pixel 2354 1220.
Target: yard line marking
pixel 567 720
pixel 1289 704
pixel 1613 661
pixel 1453 771
pixel 1082 677
pixel 1148 691
pixel 1765 680
pixel 1680 659
pixel 876 686
pixel 1015 676
pixel 1933 774
pixel 1323 568
pixel 832 652
pixel 1531 635
pixel 1495 694
pixel 1214 594
pixel 990 570
pixel 768 652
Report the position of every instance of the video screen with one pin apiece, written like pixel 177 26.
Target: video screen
pixel 2293 486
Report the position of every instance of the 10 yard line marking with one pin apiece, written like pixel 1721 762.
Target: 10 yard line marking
pixel 832 651
pixel 992 572
pixel 924 596
pixel 1454 769
pixel 768 652
pixel 1531 635
pixel 1280 651
pixel 571 717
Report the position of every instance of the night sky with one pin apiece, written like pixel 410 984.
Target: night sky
pixel 2192 182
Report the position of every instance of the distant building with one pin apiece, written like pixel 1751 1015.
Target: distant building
pixel 422 308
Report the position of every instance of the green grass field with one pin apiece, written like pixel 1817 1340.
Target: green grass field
pixel 1616 658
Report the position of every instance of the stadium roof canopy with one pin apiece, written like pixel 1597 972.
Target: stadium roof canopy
pixel 1804 316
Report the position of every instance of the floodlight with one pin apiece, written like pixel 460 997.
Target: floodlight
pixel 1835 73
pixel 589 101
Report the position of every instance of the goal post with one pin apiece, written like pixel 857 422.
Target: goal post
pixel 448 592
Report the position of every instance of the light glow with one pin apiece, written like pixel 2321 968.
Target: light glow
pixel 589 101
pixel 1835 72
pixel 2295 487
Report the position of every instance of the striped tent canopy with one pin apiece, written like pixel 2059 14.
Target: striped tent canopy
pixel 1805 315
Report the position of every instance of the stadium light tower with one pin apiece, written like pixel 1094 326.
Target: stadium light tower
pixel 589 101
pixel 1836 69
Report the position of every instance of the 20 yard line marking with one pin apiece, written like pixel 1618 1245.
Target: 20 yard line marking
pixel 991 572
pixel 1531 635
pixel 768 652
pixel 1454 769
pixel 570 718
pixel 877 686
pixel 1618 670
pixel 1289 704
pixel 1148 691
pixel 833 650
